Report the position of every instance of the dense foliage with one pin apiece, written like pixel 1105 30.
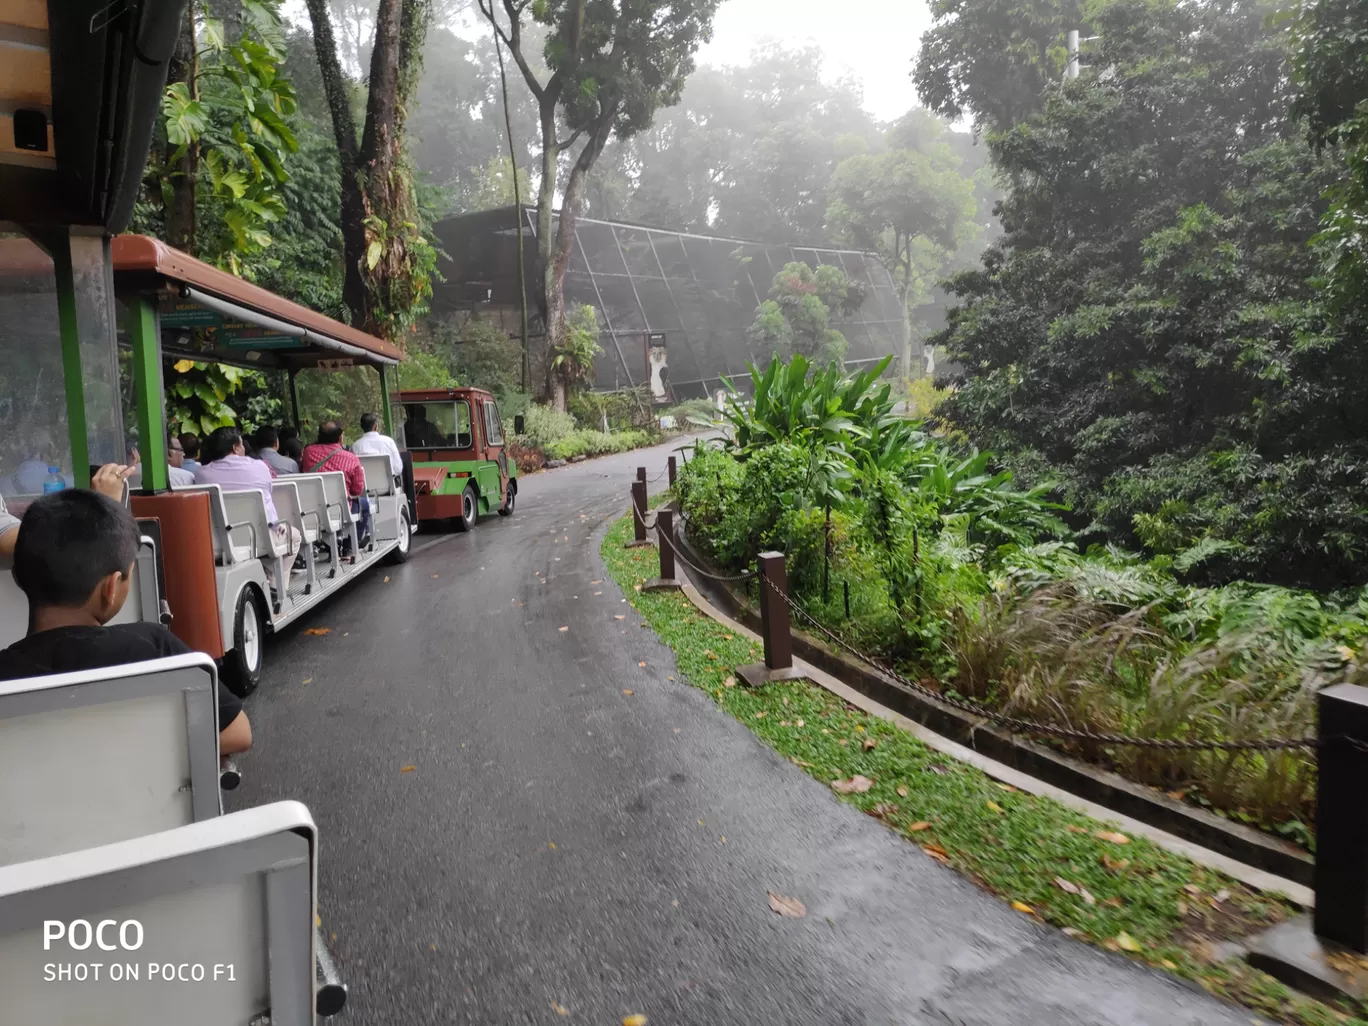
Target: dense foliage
pixel 936 558
pixel 1151 332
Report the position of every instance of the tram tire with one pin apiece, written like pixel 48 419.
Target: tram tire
pixel 401 552
pixel 249 645
pixel 510 500
pixel 470 509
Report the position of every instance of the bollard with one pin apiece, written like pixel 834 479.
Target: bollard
pixel 639 539
pixel 1322 954
pixel 774 624
pixel 671 465
pixel 665 532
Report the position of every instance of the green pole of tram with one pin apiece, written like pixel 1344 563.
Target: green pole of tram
pixel 385 410
pixel 59 245
pixel 147 385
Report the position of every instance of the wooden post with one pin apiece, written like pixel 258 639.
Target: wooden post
pixel 667 581
pixel 775 632
pixel 671 465
pixel 641 474
pixel 639 539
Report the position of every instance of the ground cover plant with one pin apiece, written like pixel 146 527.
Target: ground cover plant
pixel 1101 886
pixel 928 555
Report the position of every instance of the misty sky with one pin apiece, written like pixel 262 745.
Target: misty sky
pixel 873 39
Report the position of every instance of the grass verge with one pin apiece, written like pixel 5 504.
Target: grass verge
pixel 1123 893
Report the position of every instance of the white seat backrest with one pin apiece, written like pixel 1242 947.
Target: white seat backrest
pixel 234 896
pixel 285 495
pixel 379 475
pixel 98 756
pixel 218 520
pixel 313 497
pixel 335 486
pixel 249 507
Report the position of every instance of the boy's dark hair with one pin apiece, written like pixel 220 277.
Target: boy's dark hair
pixel 191 444
pixel 329 432
pixel 220 443
pixel 292 447
pixel 266 437
pixel 288 432
pixel 68 542
pixel 369 421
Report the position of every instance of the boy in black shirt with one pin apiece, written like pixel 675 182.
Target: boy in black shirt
pixel 74 560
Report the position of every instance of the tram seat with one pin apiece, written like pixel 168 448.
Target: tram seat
pixel 98 756
pixel 144 602
pixel 236 891
pixel 329 514
pixel 285 495
pixel 335 487
pixel 232 540
pixel 379 479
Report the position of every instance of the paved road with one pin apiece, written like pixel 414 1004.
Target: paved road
pixel 450 903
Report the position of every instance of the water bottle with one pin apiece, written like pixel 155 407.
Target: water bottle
pixel 55 481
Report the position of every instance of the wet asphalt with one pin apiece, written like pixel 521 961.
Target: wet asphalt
pixel 556 855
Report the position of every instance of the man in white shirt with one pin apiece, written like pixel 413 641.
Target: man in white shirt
pixel 373 443
pixel 175 458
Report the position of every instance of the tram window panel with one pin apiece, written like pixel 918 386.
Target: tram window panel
pixel 33 416
pixel 437 424
pixel 493 426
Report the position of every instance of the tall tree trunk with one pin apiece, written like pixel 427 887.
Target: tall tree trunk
pixel 179 210
pixel 548 237
pixel 344 132
pixel 572 206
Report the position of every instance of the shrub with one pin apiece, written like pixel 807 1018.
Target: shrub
pixel 595 443
pixel 545 425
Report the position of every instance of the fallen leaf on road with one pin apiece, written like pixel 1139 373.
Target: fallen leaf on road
pixel 551 845
pixel 790 908
pixel 307 680
pixel 641 662
pixel 800 723
pixel 1117 865
pixel 785 723
pixel 885 809
pixel 761 715
pixel 559 1008
pixel 407 769
pixel 995 807
pixel 598 593
pixel 1113 902
pixel 599 581
pixel 1220 896
pixel 1075 829
pixel 628 691
pixel 1192 889
pixel 1021 906
pixel 919 826
pixel 1126 942
pixel 1113 836
pixel 939 770
pixel 634 1020
pixel 386 581
pixel 855 785
pixel 1007 787
pixel 1167 964
pixel 565 628
pixel 722 839
pixel 619 618
pixel 436 575
pixel 730 682
pixel 1066 886
pixel 902 791
pixel 1086 895
pixel 936 852
pixel 316 630
pixel 869 743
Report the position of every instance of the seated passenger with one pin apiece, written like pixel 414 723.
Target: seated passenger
pixel 191 444
pixel 267 441
pixel 227 465
pixel 421 433
pixel 74 560
pixel 290 445
pixel 326 455
pixel 175 458
pixel 373 443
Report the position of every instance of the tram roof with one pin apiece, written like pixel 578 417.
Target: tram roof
pixel 208 314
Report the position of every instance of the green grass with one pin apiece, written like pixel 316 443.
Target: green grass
pixel 1157 906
